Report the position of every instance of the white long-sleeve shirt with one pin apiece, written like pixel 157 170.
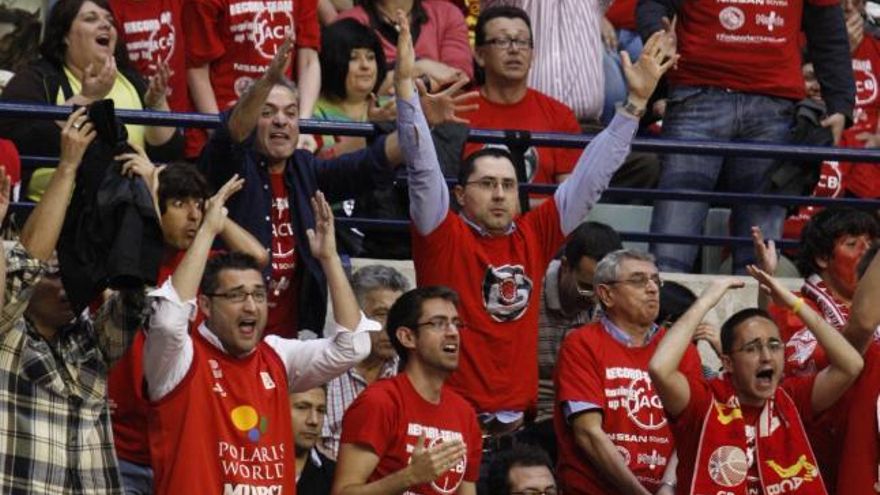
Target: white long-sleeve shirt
pixel 168 350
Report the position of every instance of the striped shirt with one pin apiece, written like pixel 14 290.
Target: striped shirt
pixel 341 392
pixel 54 421
pixel 567 60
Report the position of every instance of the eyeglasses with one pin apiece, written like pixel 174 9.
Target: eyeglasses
pixel 506 43
pixel 532 491
pixel 640 281
pixel 756 347
pixel 240 296
pixel 441 324
pixel 491 184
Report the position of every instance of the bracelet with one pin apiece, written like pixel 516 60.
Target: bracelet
pixel 633 110
pixel 797 305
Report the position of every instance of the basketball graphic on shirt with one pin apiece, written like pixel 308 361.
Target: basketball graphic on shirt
pixel 506 292
pixel 728 466
pixel 732 18
pixel 247 420
pixel 449 481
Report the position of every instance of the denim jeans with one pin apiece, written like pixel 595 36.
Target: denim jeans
pixel 718 114
pixel 137 479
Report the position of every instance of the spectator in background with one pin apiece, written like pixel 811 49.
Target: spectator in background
pixel 612 432
pixel 412 433
pixel 439 34
pixel 376 287
pixel 744 432
pixel 152 34
pixel 567 302
pixel 522 470
pixel 738 79
pixel 832 243
pixel 314 471
pixel 231 43
pixel 222 390
pixel 569 56
pixel 81 62
pixel 55 363
pixel 181 193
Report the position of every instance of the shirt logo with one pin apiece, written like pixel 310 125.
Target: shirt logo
pixel 728 466
pixel 246 419
pixel 506 292
pixel 268 384
pixel 732 18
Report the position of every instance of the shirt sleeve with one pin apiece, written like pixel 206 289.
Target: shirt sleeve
pixel 578 374
pixel 604 155
pixel 800 389
pixel 370 421
pixel 564 159
pixel 308 31
pixel 118 321
pixel 428 194
pixel 204 43
pixel 311 363
pixel 475 450
pixel 168 348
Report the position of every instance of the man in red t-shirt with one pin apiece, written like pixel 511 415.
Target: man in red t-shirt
pixel 613 435
pixel 230 44
pixel 411 433
pixel 744 431
pixel 181 195
pixel 504 52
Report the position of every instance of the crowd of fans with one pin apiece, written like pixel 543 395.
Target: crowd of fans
pixel 156 299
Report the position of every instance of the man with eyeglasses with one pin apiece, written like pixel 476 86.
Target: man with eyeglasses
pixel 504 52
pixel 220 421
pixel 411 433
pixel 494 258
pixel 744 431
pixel 612 432
pixel 522 470
pixel 568 302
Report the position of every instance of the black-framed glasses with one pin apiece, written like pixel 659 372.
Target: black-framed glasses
pixel 441 323
pixel 640 281
pixel 756 347
pixel 491 184
pixel 240 296
pixel 506 43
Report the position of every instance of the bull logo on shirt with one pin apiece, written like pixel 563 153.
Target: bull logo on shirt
pixel 506 292
pixel 732 18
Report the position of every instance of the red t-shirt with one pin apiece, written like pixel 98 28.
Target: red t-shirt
pixel 744 45
pixel 594 367
pixel 688 425
pixel 238 38
pixel 226 427
pixel 10 159
pixel 622 14
pixel 859 449
pixel 499 280
pixel 282 318
pixel 863 179
pixel 536 112
pixel 390 416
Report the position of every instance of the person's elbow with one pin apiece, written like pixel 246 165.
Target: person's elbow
pixel 588 438
pixel 657 370
pixel 852 366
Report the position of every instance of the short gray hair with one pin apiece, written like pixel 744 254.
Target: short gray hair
pixel 372 277
pixel 607 270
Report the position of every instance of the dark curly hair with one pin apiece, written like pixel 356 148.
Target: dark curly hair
pixel 823 230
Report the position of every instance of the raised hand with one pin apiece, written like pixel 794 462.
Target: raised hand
pixel 770 286
pixel 658 56
pixel 158 88
pixel 404 72
pixel 280 62
pixel 76 136
pixel 444 106
pixel 427 464
pixel 322 239
pixel 381 113
pixel 709 333
pixel 98 81
pixel 766 256
pixel 215 210
pixel 719 286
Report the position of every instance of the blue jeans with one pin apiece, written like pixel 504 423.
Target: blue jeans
pixel 137 479
pixel 718 114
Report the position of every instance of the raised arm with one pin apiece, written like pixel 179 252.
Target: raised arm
pixel 168 350
pixel 428 194
pixel 670 383
pixel 322 243
pixel 40 234
pixel 864 315
pixel 767 260
pixel 579 192
pixel 845 362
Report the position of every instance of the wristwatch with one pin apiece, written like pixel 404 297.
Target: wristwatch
pixel 633 110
